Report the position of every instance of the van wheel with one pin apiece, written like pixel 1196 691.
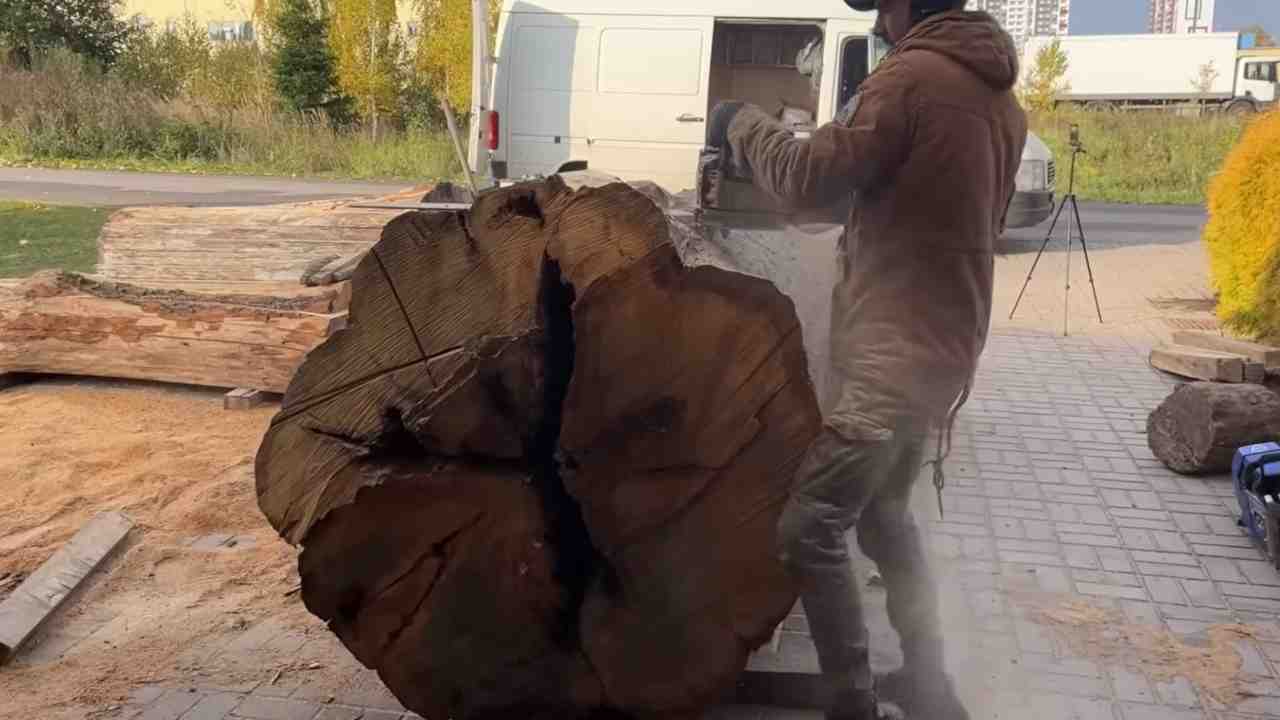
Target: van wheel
pixel 1242 107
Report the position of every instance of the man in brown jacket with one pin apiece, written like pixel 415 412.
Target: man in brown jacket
pixel 928 150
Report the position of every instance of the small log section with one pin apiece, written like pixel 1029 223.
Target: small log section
pixel 1266 355
pixel 537 475
pixel 1199 364
pixel 63 323
pixel 1197 429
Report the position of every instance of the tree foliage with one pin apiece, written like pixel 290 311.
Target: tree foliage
pixel 1243 233
pixel 367 47
pixel 443 54
pixel 87 27
pixel 302 63
pixel 163 61
pixel 1047 78
pixel 1261 37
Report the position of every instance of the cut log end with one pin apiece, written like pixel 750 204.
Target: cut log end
pixel 1197 429
pixel 537 474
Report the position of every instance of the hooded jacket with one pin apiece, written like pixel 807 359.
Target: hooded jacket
pixel 928 150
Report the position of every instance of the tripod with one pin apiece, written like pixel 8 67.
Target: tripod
pixel 1070 199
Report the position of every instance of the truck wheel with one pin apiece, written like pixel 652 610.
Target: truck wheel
pixel 1242 107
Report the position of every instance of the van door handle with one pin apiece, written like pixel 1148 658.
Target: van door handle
pixel 689 117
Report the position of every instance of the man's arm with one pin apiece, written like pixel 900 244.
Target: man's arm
pixel 837 159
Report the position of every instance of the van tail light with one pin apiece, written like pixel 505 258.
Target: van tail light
pixel 491 129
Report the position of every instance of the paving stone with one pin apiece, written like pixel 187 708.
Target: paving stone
pixel 1165 590
pixel 1223 569
pixel 1080 556
pixel 1133 711
pixel 341 713
pixel 1113 591
pixel 170 705
pixel 1178 691
pixel 1252 661
pixel 214 706
pixel 1203 592
pixel 1115 560
pixel 1259 572
pixel 1131 686
pixel 264 708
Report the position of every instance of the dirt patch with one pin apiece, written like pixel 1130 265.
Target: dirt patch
pixel 1106 635
pixel 181 467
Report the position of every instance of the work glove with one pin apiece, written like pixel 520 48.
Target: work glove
pixel 718 123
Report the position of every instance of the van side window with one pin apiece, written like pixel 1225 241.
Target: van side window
pixel 1269 72
pixel 1252 71
pixel 674 70
pixel 853 68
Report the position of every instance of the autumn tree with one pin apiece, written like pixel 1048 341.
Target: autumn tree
pixel 1047 78
pixel 442 57
pixel 367 47
pixel 1261 37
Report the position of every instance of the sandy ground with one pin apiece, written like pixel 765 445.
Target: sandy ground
pixel 182 468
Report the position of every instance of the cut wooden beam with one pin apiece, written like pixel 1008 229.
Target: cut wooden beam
pixel 243 399
pixel 1199 364
pixel 22 613
pixel 1265 354
pixel 62 323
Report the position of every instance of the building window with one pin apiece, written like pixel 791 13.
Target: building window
pixel 228 31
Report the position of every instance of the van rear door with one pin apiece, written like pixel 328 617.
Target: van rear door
pixel 649 119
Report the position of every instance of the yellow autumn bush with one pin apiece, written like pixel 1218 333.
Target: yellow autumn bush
pixel 1243 233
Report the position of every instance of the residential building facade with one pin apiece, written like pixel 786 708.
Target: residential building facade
pixel 1181 16
pixel 1025 18
pixel 226 20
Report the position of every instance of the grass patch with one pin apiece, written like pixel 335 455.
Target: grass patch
pixel 1140 157
pixel 39 237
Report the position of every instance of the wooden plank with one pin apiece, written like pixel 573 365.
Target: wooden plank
pixel 22 613
pixel 1198 364
pixel 243 399
pixel 1257 352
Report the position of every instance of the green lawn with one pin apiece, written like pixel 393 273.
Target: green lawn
pixel 36 237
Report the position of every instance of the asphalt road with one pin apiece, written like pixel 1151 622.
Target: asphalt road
pixel 114 189
pixel 1112 225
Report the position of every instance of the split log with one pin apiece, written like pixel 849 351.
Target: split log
pixel 1267 355
pixel 537 475
pixel 1197 429
pixel 63 323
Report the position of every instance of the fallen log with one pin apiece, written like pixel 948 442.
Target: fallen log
pixel 63 323
pixel 537 475
pixel 1197 429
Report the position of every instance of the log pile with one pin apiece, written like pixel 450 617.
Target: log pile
pixel 538 473
pixel 63 323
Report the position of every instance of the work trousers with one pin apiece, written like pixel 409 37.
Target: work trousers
pixel 860 477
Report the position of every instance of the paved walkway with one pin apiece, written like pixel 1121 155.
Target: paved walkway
pixel 1080 579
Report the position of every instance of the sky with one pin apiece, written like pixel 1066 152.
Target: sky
pixel 1098 17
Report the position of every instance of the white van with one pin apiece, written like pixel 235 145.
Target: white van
pixel 626 87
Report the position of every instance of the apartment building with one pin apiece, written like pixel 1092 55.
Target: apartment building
pixel 1026 18
pixel 1181 16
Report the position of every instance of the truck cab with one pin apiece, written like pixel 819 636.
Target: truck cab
pixel 1257 78
pixel 626 88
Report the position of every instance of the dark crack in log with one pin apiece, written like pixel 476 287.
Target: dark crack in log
pixel 537 475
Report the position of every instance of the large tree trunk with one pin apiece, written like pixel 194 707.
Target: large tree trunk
pixel 63 323
pixel 538 473
pixel 1197 429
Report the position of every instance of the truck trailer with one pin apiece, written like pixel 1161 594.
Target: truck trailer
pixel 1157 70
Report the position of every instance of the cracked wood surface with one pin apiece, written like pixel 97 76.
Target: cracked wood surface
pixel 538 473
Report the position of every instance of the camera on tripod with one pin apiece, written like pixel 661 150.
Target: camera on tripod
pixel 1076 145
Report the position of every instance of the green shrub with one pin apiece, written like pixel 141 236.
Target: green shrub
pixel 1243 233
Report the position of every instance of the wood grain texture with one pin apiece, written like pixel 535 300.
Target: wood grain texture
pixel 538 473
pixel 62 323
pixel 1197 429
pixel 32 602
pixel 1267 355
pixel 1198 364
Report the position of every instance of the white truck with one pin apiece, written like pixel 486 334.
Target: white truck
pixel 1110 71
pixel 625 87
